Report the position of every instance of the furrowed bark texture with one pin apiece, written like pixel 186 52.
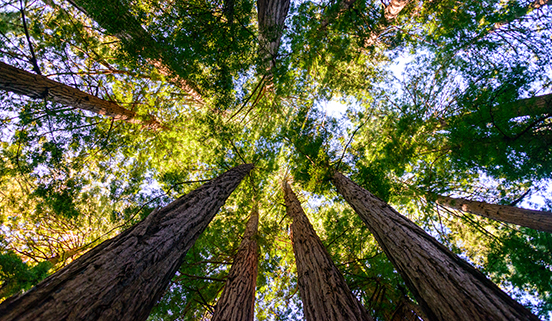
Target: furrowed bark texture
pixel 446 287
pixel 538 220
pixel 114 16
pixel 237 301
pixel 36 86
pixel 322 288
pixel 271 15
pixel 122 278
pixel 407 311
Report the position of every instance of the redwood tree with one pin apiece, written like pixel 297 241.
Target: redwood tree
pixel 445 286
pixel 322 288
pixel 538 220
pixel 237 301
pixel 122 278
pixel 25 83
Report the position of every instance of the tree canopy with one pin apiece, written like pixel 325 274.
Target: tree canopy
pixel 408 98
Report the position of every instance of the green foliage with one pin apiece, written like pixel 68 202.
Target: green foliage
pixel 17 276
pixel 450 124
pixel 522 260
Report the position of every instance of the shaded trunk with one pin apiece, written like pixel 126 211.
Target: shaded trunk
pixel 407 311
pixel 237 301
pixel 122 278
pixel 322 288
pixel 390 13
pixel 534 106
pixel 271 15
pixel 538 220
pixel 344 6
pixel 62 257
pixel 115 17
pixel 35 86
pixel 445 286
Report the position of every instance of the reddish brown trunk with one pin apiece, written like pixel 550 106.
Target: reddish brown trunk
pixel 36 86
pixel 538 220
pixel 237 301
pixel 445 286
pixel 390 13
pixel 322 288
pixel 122 278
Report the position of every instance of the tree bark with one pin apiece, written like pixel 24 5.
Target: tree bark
pixel 271 15
pixel 322 288
pixel 538 105
pixel 36 86
pixel 538 220
pixel 237 301
pixel 113 15
pixel 445 286
pixel 390 13
pixel 122 278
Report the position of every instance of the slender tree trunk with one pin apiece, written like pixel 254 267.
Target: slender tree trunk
pixel 538 220
pixel 322 288
pixel 122 278
pixel 271 15
pixel 114 16
pixel 445 286
pixel 237 301
pixel 35 86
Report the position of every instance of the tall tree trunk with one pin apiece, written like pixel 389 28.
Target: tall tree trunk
pixel 271 15
pixel 237 301
pixel 322 288
pixel 115 17
pixel 122 278
pixel 445 286
pixel 538 220
pixel 35 86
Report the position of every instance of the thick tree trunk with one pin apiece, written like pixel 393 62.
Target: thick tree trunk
pixel 271 15
pixel 114 16
pixel 538 220
pixel 35 86
pixel 122 278
pixel 445 286
pixel 322 288
pixel 237 301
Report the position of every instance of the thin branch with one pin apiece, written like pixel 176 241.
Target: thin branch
pixel 348 143
pixel 33 60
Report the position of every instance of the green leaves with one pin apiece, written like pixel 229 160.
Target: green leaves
pixel 17 276
pixel 453 120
